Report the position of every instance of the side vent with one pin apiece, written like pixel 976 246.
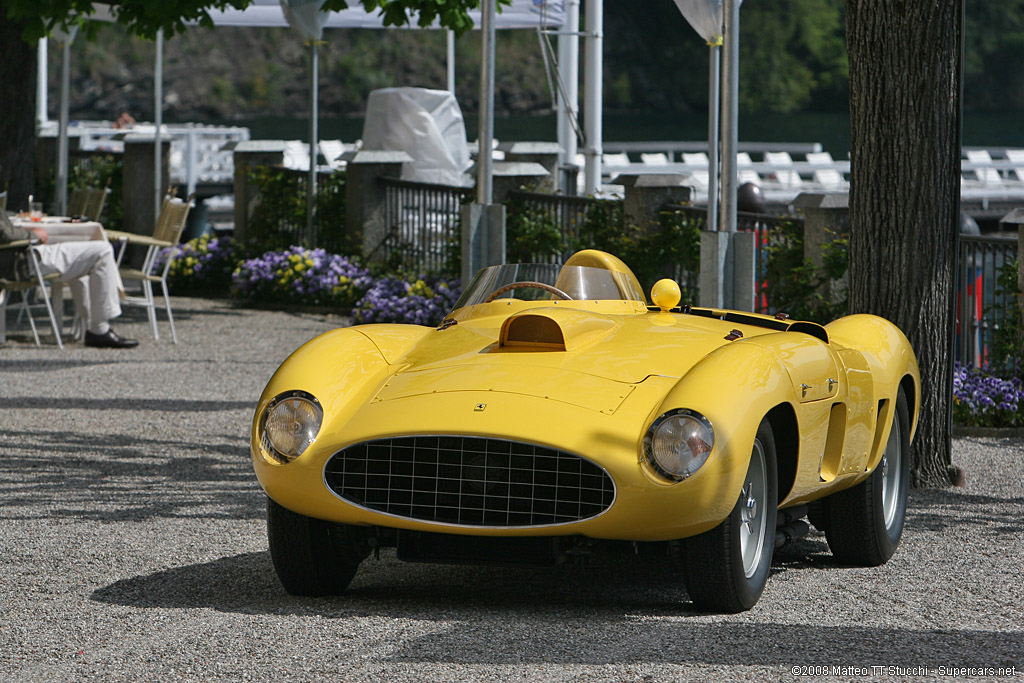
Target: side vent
pixel 536 331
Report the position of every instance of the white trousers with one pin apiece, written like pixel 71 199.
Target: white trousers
pixel 91 272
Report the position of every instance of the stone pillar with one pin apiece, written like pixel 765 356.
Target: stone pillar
pixel 364 195
pixel 826 219
pixel 647 194
pixel 509 176
pixel 248 154
pixel 544 153
pixel 140 182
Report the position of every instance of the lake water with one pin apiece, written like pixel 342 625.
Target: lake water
pixel 831 129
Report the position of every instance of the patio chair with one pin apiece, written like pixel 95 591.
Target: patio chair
pixel 745 173
pixel 28 281
pixel 987 176
pixel 654 158
pixel 828 176
pixel 783 169
pixel 95 199
pixel 76 202
pixel 155 267
pixel 698 163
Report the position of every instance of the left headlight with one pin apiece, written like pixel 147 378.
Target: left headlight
pixel 290 424
pixel 679 443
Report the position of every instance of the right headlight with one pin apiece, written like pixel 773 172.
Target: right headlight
pixel 679 443
pixel 289 425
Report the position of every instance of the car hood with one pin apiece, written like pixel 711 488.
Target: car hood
pixel 577 356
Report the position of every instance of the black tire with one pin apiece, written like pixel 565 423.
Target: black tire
pixel 865 522
pixel 311 556
pixel 718 576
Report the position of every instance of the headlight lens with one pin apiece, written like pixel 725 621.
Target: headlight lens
pixel 679 443
pixel 291 422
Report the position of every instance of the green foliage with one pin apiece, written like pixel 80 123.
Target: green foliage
pixel 1007 352
pixel 102 171
pixel 793 284
pixel 279 220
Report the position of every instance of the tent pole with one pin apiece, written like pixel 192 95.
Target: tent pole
pixel 41 78
pixel 485 182
pixel 62 142
pixel 714 107
pixel 313 141
pixel 451 61
pixel 592 111
pixel 158 119
pixel 730 112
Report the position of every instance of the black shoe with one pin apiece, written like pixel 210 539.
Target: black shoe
pixel 109 340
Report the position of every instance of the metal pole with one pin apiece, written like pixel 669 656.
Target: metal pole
pixel 730 112
pixel 41 78
pixel 158 119
pixel 485 182
pixel 62 140
pixel 451 61
pixel 314 67
pixel 592 113
pixel 569 66
pixel 714 109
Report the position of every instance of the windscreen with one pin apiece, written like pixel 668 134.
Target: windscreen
pixel 547 282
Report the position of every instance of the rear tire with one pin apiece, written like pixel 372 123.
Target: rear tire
pixel 865 522
pixel 311 556
pixel 727 567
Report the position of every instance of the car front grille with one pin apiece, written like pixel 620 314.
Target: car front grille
pixel 470 481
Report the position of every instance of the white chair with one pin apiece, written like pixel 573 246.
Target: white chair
pixel 654 158
pixel 745 173
pixel 166 235
pixel 25 286
pixel 615 160
pixel 828 176
pixel 697 167
pixel 987 176
pixel 782 169
pixel 1017 157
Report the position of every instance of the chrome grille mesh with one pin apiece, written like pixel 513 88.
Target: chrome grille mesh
pixel 470 481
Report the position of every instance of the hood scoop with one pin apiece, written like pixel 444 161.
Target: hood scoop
pixel 553 329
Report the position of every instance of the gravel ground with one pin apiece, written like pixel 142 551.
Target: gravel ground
pixel 133 548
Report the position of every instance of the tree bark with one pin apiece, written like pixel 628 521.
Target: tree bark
pixel 905 192
pixel 18 106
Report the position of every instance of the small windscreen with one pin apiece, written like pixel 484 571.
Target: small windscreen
pixel 549 282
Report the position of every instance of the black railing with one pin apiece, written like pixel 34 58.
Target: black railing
pixel 764 227
pixel 981 303
pixel 423 222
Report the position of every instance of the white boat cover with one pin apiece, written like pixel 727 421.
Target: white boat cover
pixel 425 124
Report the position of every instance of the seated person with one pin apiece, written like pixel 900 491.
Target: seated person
pixel 90 271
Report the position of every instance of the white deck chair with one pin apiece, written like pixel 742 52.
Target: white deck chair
pixel 616 160
pixel 1017 157
pixel 828 177
pixel 697 167
pixel 744 172
pixel 783 169
pixel 987 176
pixel 654 158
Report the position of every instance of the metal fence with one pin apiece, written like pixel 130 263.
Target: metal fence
pixel 423 222
pixel 981 304
pixel 566 214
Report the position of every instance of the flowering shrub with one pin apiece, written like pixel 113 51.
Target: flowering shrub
pixel 203 265
pixel 300 276
pixel 424 301
pixel 981 399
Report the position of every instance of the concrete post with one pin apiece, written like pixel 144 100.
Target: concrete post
pixel 509 176
pixel 544 153
pixel 826 218
pixel 365 196
pixel 249 154
pixel 648 193
pixel 140 179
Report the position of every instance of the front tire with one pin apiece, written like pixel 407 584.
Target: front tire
pixel 727 567
pixel 311 556
pixel 865 522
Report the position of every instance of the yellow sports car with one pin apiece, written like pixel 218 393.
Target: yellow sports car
pixel 554 412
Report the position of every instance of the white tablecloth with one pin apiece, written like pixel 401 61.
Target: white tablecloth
pixel 63 229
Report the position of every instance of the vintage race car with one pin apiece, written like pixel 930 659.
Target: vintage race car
pixel 554 412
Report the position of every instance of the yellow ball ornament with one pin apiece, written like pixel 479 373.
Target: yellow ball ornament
pixel 665 294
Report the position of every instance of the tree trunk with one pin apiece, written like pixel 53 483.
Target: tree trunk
pixel 18 104
pixel 905 193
